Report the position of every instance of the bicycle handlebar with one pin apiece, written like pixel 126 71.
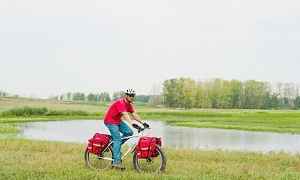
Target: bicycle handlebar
pixel 141 130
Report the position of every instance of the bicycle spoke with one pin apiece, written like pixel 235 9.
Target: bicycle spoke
pixel 151 164
pixel 99 162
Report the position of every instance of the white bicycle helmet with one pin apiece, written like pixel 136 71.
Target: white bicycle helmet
pixel 130 92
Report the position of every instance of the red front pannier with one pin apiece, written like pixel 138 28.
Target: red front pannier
pixel 98 143
pixel 147 147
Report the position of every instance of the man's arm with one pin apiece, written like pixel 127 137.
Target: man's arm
pixel 136 117
pixel 126 117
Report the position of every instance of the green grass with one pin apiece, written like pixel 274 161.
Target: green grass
pixel 25 159
pixel 275 121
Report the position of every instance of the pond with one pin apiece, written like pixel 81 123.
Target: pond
pixel 176 137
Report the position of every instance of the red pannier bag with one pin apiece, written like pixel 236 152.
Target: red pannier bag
pixel 147 147
pixel 98 143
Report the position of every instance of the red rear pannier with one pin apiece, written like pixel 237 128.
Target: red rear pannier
pixel 98 143
pixel 146 147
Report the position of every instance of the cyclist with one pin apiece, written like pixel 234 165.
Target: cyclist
pixel 121 109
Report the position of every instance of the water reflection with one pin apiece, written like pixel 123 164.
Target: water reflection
pixel 176 137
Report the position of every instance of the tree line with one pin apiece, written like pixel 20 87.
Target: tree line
pixel 219 93
pixel 79 96
pixel 101 97
pixel 213 93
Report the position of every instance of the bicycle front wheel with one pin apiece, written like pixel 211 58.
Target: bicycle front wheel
pixel 151 164
pixel 101 161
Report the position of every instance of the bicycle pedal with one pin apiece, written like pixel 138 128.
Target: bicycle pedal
pixel 100 156
pixel 149 160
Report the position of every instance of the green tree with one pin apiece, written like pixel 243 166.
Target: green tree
pixel 215 88
pixel 78 96
pixel 254 93
pixel 69 96
pixel 274 101
pixel 187 92
pixel 117 95
pixel 155 100
pixel 236 93
pixel 142 98
pixel 170 92
pixel 297 102
pixel 104 97
pixel 92 97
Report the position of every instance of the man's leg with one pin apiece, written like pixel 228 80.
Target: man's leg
pixel 125 130
pixel 116 138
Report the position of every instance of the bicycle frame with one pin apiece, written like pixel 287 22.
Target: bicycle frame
pixel 130 148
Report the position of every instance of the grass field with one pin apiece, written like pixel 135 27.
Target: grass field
pixel 25 159
pixel 28 159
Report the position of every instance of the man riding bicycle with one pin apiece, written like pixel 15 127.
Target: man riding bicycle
pixel 121 109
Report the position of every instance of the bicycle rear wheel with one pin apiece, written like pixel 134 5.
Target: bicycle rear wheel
pixel 151 164
pixel 100 162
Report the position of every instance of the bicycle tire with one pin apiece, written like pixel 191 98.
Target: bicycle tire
pixel 94 161
pixel 162 165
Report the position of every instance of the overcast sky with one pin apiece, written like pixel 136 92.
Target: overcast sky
pixel 55 46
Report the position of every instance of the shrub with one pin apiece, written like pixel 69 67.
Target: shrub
pixel 25 111
pixel 66 113
pixel 30 111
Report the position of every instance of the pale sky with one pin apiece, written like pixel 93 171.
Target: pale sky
pixel 55 46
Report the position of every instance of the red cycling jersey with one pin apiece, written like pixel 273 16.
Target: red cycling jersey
pixel 114 113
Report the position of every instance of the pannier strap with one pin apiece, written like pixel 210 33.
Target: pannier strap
pixel 97 145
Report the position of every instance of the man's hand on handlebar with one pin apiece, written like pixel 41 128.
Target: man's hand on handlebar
pixel 146 125
pixel 139 128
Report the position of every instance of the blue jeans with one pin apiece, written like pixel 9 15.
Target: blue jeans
pixel 115 131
